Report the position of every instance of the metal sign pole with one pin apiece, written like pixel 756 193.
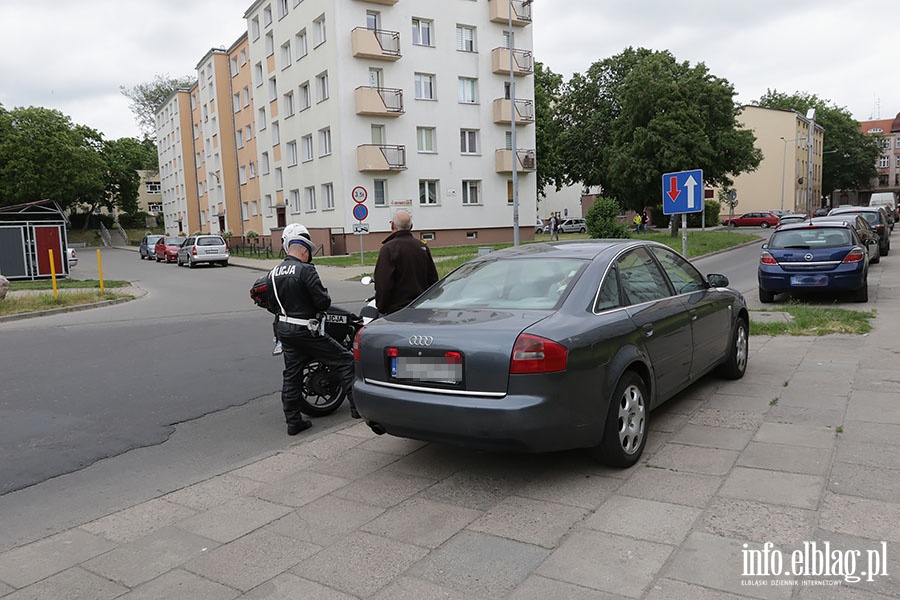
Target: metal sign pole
pixel 684 235
pixel 362 261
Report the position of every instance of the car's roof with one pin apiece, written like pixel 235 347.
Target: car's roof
pixel 581 249
pixel 813 225
pixel 847 209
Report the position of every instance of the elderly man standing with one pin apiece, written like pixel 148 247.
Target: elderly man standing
pixel 404 269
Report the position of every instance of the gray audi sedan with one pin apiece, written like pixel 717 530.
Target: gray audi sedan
pixel 547 347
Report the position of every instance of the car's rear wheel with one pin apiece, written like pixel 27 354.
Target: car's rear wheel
pixel 158 259
pixel 765 296
pixel 764 225
pixel 582 230
pixel 224 263
pixel 190 263
pixel 625 432
pixel 862 294
pixel 735 365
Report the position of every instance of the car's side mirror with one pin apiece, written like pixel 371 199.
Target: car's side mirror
pixel 366 280
pixel 717 280
pixel 871 241
pixel 766 245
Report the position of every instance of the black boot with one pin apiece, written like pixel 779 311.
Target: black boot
pixel 295 428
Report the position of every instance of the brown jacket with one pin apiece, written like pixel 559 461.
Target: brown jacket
pixel 404 270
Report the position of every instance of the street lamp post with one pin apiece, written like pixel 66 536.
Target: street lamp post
pixel 512 117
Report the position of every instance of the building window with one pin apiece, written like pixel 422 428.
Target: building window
pixel 269 204
pixel 260 119
pixel 243 57
pixel 325 141
pixel 304 100
pixel 294 196
pixel 258 74
pixel 254 207
pixel 428 192
pixel 306 146
pixel 300 44
pixel 319 31
pixel 424 86
pixel 379 188
pixel 153 187
pixel 248 133
pixel 243 174
pixel 282 8
pixel 264 163
pixel 465 38
pixel 276 133
pixel 468 141
pixel 270 44
pixel 322 87
pixel 328 196
pixel 234 66
pixel 292 153
pixel 884 162
pixel 898 161
pixel 421 32
pixel 252 170
pixel 286 55
pixel 425 139
pixel 468 90
pixel 310 193
pixel 288 101
pixel 245 93
pixel 471 192
pixel 254 28
pixel 239 138
pixel 279 180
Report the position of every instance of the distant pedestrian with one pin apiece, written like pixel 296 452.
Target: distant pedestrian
pixel 645 220
pixel 554 227
pixel 638 221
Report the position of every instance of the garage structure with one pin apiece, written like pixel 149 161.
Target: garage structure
pixel 27 233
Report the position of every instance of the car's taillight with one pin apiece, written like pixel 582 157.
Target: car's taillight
pixel 879 227
pixel 767 259
pixel 533 354
pixel 855 255
pixel 194 250
pixel 356 344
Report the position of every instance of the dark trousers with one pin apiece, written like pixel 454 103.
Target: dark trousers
pixel 299 348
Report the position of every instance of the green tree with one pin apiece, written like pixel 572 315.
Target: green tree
pixel 637 115
pixel 123 158
pixel 547 86
pixel 147 97
pixel 43 154
pixel 603 220
pixel 849 155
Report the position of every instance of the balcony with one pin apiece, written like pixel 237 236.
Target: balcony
pixel 523 61
pixel 524 111
pixel 379 102
pixel 385 2
pixel 379 44
pixel 377 157
pixel 525 161
pixel 521 12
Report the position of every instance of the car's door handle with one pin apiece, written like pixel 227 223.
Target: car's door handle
pixel 693 314
pixel 648 329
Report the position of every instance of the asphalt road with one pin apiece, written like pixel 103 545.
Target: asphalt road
pixel 84 386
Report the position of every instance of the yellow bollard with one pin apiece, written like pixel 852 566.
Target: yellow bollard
pixel 100 271
pixel 53 274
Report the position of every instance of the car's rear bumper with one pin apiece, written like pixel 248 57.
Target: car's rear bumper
pixel 528 423
pixel 776 279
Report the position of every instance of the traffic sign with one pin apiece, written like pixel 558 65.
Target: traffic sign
pixel 360 212
pixel 360 228
pixel 359 194
pixel 682 192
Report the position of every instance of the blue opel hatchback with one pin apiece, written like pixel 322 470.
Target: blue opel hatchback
pixel 814 257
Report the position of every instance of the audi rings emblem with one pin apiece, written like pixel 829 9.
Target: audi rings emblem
pixel 808 256
pixel 420 340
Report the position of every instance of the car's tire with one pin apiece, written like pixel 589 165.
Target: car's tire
pixel 887 248
pixel 764 225
pixel 735 365
pixel 765 296
pixel 224 263
pixel 158 259
pixel 582 230
pixel 862 294
pixel 625 431
pixel 190 263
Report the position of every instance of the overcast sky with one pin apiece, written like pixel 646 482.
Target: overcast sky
pixel 74 55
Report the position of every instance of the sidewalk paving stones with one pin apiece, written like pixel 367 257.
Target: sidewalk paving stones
pixel 776 487
pixel 758 522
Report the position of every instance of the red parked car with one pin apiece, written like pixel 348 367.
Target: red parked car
pixel 753 219
pixel 167 248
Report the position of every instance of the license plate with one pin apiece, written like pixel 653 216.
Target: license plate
pixel 213 251
pixel 809 280
pixel 434 369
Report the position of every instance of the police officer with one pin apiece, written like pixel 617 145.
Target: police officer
pixel 404 268
pixel 297 295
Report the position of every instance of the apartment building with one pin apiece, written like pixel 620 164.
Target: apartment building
pixel 407 103
pixel 888 165
pixel 177 174
pixel 781 182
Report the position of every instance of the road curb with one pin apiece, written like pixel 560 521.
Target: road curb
pixel 65 309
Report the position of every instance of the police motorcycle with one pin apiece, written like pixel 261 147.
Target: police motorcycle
pixel 322 392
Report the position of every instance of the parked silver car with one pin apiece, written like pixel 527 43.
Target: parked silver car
pixel 147 248
pixel 203 249
pixel 573 226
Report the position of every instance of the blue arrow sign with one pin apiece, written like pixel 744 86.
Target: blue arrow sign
pixel 682 192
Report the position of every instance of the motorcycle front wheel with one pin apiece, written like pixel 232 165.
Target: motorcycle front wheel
pixel 322 394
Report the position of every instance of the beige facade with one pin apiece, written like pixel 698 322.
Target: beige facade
pixel 781 182
pixel 177 174
pixel 888 164
pixel 150 193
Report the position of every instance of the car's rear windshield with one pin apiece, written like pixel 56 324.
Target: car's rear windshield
pixel 176 241
pixel 869 215
pixel 812 237
pixel 210 241
pixel 524 283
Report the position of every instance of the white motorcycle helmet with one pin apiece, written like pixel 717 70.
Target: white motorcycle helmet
pixel 295 233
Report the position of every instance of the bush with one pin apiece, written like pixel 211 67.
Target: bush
pixel 77 221
pixel 711 208
pixel 135 221
pixel 603 220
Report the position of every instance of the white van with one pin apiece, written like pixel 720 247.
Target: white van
pixel 884 199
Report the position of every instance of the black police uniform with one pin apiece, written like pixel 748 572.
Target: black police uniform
pixel 297 294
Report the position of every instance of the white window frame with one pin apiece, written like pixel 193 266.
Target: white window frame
pixel 424 85
pixel 270 44
pixel 322 87
pixel 301 44
pixel 305 99
pixel 471 188
pixel 258 74
pixel 264 163
pixel 425 140
pixel 273 89
pixel 319 31
pixel 431 189
pixel 294 196
pixel 291 153
pixel 261 118
pixel 422 32
pixel 282 9
pixel 267 16
pixel 468 90
pixel 276 133
pixel 309 193
pixel 306 148
pixel 286 56
pixel 242 174
pixel 288 101
pixel 465 38
pixel 327 196
pixel 279 179
pixel 325 141
pixel 379 198
pixel 468 141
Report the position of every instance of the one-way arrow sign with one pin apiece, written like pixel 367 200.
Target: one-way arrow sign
pixel 682 192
